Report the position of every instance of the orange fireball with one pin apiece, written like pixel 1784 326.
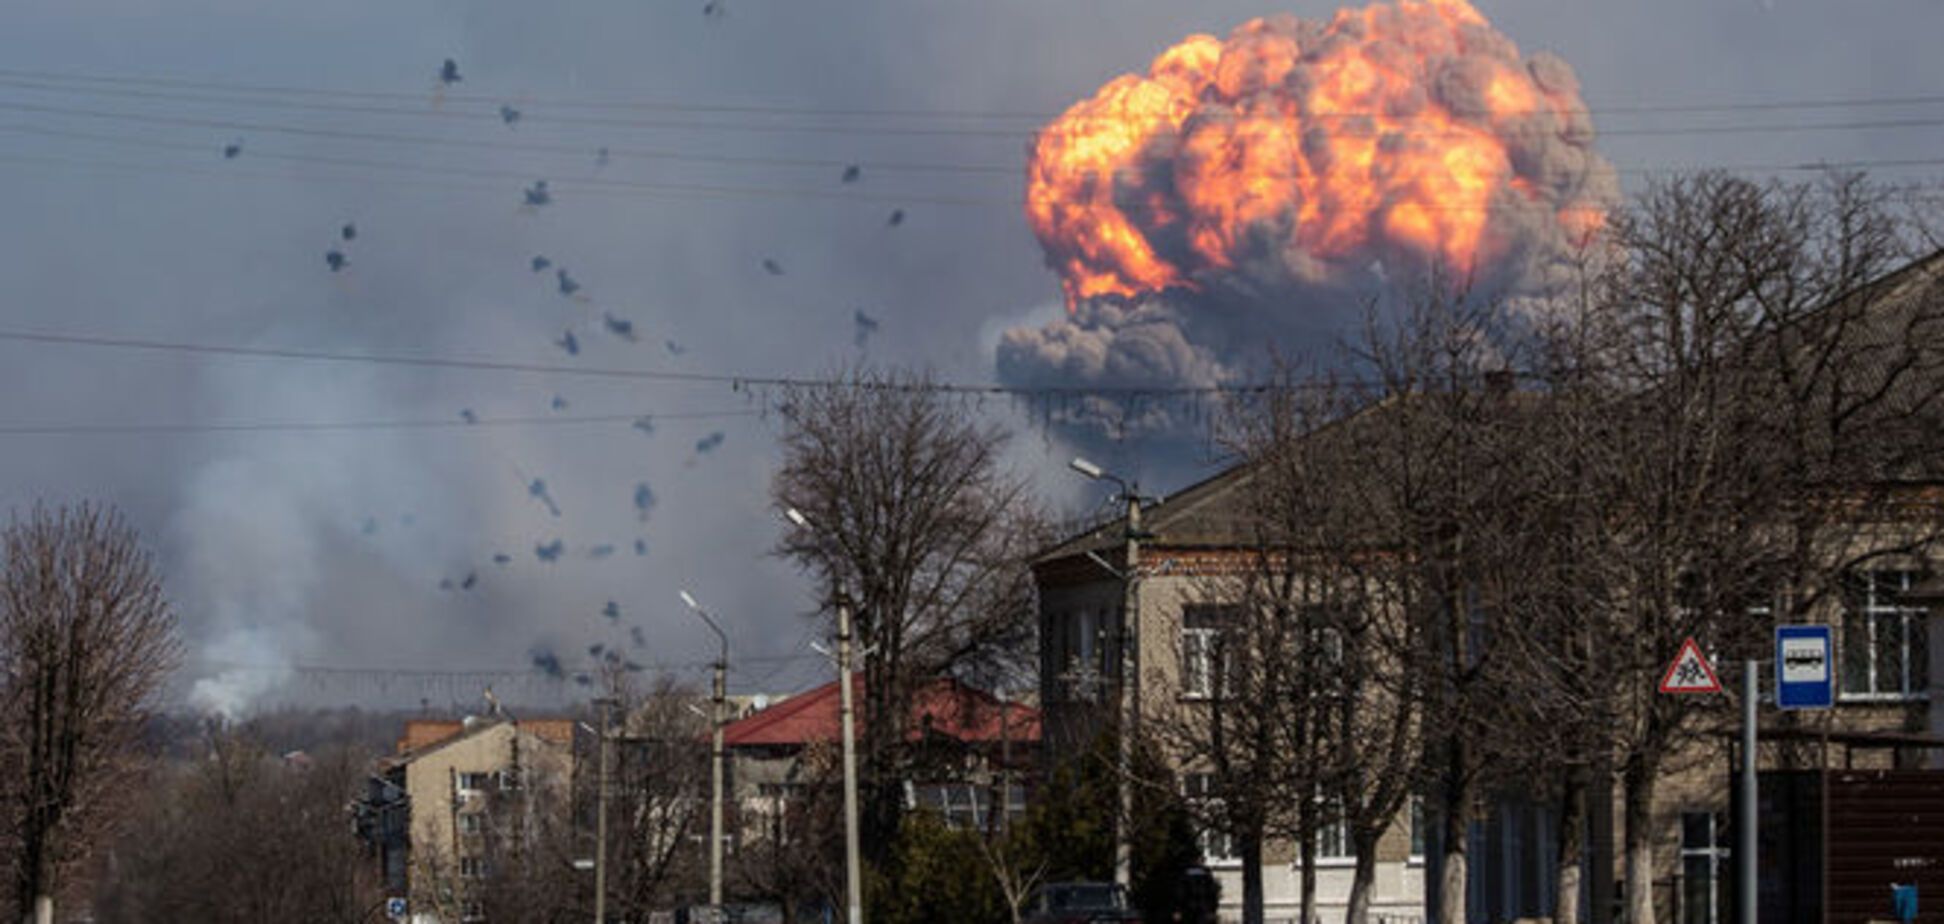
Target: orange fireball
pixel 1401 129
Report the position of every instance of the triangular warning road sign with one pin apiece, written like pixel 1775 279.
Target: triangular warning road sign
pixel 1690 672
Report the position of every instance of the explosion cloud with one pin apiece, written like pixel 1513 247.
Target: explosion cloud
pixel 1246 188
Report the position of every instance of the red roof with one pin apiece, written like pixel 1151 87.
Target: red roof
pixel 951 708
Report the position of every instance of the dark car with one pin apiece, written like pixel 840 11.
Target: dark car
pixel 1080 903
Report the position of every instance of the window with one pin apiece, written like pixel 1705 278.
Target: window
pixel 474 782
pixel 1083 675
pixel 1420 829
pixel 1205 664
pixel 1703 856
pixel 472 867
pixel 1886 649
pixel 472 823
pixel 1204 797
pixel 1333 838
pixel 473 911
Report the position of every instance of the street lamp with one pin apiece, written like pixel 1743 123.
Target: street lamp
pixel 1130 666
pixel 715 758
pixel 852 878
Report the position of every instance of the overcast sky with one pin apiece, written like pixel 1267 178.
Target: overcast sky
pixel 329 548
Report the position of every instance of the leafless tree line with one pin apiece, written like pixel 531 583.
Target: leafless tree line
pixel 1474 554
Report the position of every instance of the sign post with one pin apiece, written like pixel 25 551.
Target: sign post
pixel 1803 678
pixel 1690 672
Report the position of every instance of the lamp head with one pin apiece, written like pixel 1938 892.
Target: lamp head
pixel 1086 468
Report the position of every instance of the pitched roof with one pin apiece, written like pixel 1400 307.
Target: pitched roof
pixel 944 706
pixel 1200 515
pixel 424 735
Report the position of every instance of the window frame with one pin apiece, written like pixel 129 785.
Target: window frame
pixel 1199 790
pixel 1202 655
pixel 1870 599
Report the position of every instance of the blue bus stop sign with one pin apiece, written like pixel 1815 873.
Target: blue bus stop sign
pixel 395 908
pixel 1805 671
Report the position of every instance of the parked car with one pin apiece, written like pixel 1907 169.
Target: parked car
pixel 1080 903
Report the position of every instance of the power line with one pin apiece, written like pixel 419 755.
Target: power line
pixel 286 426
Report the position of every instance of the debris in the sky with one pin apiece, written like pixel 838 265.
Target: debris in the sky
pixel 596 650
pixel 896 219
pixel 772 267
pixel 538 491
pixel 549 552
pixel 472 577
pixel 644 500
pixel 853 173
pixel 232 150
pixel 620 327
pixel 370 526
pixel 509 115
pixel 639 637
pixel 445 584
pixel 601 157
pixel 449 72
pixel 537 194
pixel 336 260
pixel 709 443
pixel 631 667
pixel 584 680
pixel 540 264
pixel 349 232
pixel 559 403
pixel 714 9
pixel 641 547
pixel 674 349
pixel 567 285
pixel 866 326
pixel 645 424
pixel 467 415
pixel 612 610
pixel 568 343
pixel 601 551
pixel 501 558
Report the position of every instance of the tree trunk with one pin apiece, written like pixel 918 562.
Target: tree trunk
pixel 1454 876
pixel 1306 852
pixel 1364 880
pixel 1639 810
pixel 1251 850
pixel 1572 847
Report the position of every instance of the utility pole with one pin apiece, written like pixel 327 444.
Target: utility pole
pixel 606 705
pixel 853 886
pixel 715 757
pixel 1745 826
pixel 1130 668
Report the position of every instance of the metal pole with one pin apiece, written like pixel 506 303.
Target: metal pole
pixel 715 810
pixel 600 815
pixel 853 887
pixel 1129 690
pixel 1745 851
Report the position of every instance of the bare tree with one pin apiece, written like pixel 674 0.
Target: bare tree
pixel 914 515
pixel 86 639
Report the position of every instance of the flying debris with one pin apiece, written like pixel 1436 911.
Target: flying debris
pixel 538 491
pixel 645 424
pixel 559 403
pixel 546 662
pixel 445 584
pixel 601 551
pixel 472 577
pixel 631 667
pixel 853 173
pixel 601 158
pixel 896 219
pixel 637 636
pixel 501 558
pixel 674 349
pixel 641 547
pixel 349 232
pixel 596 650
pixel 232 150
pixel 584 680
pixel 540 264
pixel 537 194
pixel 772 267
pixel 336 260
pixel 549 552
pixel 866 326
pixel 612 610
pixel 467 415
pixel 370 526
pixel 714 9
pixel 449 72
pixel 620 327
pixel 708 444
pixel 644 500
pixel 565 283
pixel 509 115
pixel 568 343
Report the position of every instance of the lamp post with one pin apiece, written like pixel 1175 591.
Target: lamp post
pixel 853 886
pixel 715 758
pixel 606 705
pixel 1130 666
